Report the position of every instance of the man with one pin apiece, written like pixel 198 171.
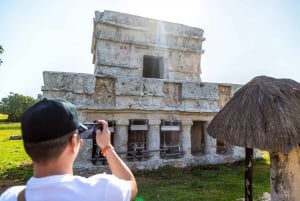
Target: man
pixel 51 139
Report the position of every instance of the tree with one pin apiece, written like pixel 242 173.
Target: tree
pixel 1 52
pixel 15 105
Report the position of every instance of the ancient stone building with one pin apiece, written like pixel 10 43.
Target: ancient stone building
pixel 147 85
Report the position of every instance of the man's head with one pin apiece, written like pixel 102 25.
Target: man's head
pixel 47 127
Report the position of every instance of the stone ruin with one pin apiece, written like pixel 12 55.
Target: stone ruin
pixel 147 85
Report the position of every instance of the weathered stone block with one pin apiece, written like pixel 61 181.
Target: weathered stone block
pixel 70 82
pixel 194 90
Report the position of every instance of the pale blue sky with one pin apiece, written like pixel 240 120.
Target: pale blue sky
pixel 244 38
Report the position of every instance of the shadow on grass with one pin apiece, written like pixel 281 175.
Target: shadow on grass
pixel 15 176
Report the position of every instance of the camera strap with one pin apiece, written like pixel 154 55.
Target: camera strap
pixel 21 195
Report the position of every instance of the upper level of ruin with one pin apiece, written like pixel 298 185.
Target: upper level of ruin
pixel 141 64
pixel 134 46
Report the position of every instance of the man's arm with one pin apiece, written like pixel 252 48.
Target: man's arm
pixel 116 164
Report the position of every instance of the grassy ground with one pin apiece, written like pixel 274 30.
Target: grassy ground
pixel 15 165
pixel 202 182
pixel 3 117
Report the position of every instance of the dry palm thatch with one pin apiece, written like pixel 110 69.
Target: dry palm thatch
pixel 264 114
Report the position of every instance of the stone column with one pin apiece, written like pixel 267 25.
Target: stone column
pixel 121 136
pixel 210 142
pixel 186 138
pixel 153 137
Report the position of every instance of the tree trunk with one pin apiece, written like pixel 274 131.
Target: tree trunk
pixel 248 174
pixel 284 176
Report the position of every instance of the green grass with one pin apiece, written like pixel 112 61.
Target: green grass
pixel 202 182
pixel 3 117
pixel 14 163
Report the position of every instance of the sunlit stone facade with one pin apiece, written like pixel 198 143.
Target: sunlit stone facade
pixel 147 85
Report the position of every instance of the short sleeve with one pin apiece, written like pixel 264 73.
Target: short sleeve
pixel 11 193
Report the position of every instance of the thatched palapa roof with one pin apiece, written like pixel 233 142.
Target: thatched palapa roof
pixel 264 114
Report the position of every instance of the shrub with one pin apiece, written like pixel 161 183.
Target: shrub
pixel 14 106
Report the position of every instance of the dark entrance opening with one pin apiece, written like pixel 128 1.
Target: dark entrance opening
pixel 170 139
pixel 153 67
pixel 137 140
pixel 197 138
pixel 221 147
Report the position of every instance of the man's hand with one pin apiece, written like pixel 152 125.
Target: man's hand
pixel 103 137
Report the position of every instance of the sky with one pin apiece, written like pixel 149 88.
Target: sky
pixel 243 38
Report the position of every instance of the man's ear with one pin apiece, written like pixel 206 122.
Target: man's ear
pixel 74 142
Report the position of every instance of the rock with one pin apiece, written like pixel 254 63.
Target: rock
pixel 15 137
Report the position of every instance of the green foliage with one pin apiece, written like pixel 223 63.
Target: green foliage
pixel 14 106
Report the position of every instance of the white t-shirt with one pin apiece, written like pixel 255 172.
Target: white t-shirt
pixel 100 187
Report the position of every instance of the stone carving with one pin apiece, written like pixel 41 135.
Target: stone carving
pixel 105 92
pixel 172 94
pixel 224 95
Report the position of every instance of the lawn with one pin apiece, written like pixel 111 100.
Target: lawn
pixel 15 165
pixel 202 182
pixel 3 117
pixel 223 182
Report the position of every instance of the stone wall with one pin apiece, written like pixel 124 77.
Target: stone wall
pixel 121 99
pixel 121 40
pixel 89 91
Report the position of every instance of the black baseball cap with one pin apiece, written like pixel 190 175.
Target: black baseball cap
pixel 49 119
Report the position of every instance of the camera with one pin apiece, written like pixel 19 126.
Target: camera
pixel 88 130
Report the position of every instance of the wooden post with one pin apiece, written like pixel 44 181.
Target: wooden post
pixel 248 174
